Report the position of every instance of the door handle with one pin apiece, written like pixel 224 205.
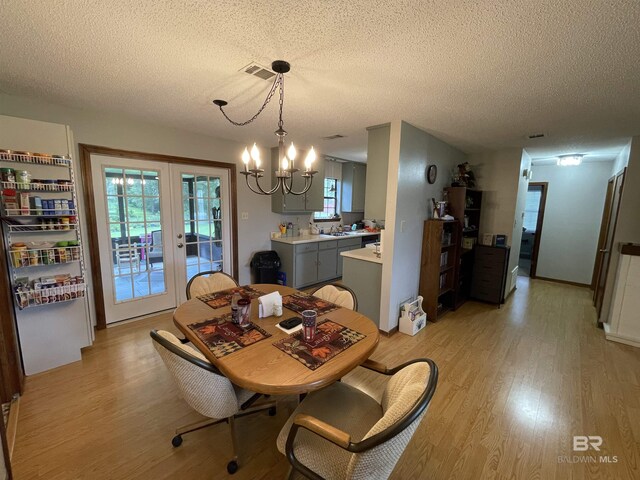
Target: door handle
pixel 180 245
pixel 179 236
pixel 604 250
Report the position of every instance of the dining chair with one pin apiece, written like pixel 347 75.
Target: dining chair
pixel 338 294
pixel 154 254
pixel 206 390
pixel 209 282
pixel 340 432
pixel 129 256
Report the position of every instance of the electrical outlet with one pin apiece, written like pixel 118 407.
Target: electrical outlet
pixel 245 215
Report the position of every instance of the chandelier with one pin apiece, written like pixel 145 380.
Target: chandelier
pixel 286 166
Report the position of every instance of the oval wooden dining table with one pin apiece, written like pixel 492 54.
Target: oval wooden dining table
pixel 264 368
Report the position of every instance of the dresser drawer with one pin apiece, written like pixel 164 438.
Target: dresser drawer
pixel 487 270
pixel 306 247
pixel 493 295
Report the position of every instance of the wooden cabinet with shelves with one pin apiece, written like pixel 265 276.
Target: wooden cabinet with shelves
pixel 439 267
pixel 465 205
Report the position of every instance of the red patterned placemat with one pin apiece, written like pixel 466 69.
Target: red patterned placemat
pixel 331 339
pixel 223 337
pixel 298 302
pixel 223 297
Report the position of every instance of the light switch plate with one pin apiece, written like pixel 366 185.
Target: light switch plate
pixel 245 215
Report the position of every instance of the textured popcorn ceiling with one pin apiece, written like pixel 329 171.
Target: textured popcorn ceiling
pixel 478 74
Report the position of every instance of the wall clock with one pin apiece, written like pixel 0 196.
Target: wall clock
pixel 432 173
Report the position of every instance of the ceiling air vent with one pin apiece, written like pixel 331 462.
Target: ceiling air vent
pixel 536 135
pixel 258 70
pixel 333 137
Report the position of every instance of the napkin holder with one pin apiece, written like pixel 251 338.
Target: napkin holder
pixel 413 318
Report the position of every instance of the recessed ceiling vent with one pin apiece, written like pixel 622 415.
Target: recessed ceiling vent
pixel 333 137
pixel 536 135
pixel 258 70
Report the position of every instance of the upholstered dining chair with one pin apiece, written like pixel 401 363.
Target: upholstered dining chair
pixel 154 251
pixel 209 282
pixel 338 294
pixel 340 432
pixel 206 390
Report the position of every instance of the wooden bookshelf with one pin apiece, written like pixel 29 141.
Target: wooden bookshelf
pixel 465 202
pixel 439 266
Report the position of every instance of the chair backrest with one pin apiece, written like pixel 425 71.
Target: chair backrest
pixel 209 282
pixel 338 294
pixel 207 392
pixel 407 391
pixel 127 252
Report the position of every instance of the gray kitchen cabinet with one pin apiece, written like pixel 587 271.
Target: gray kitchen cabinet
pixel 313 262
pixel 306 268
pixel 312 201
pixel 354 178
pixel 327 260
pixel 377 171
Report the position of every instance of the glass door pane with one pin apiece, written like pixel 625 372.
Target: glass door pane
pixel 136 235
pixel 137 276
pixel 205 219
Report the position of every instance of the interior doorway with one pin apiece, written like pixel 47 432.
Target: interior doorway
pixel 532 228
pixel 155 221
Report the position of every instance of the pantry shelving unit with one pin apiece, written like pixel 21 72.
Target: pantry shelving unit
pixel 53 232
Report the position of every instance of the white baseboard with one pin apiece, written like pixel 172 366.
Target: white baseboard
pixel 614 337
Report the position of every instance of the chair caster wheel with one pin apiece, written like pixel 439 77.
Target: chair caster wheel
pixel 272 411
pixel 232 467
pixel 176 441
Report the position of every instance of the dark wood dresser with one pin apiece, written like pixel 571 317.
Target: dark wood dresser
pixel 489 273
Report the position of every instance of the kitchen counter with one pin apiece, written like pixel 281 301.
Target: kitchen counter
pixel 366 254
pixel 320 238
pixel 362 272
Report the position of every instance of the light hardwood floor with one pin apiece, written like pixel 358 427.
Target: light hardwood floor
pixel 515 385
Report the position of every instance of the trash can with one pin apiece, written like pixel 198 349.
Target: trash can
pixel 265 266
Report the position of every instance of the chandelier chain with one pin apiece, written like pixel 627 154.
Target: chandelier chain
pixel 278 81
pixel 280 121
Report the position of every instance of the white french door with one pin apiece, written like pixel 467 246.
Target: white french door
pixel 159 224
pixel 201 220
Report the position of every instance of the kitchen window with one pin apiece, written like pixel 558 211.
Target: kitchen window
pixel 330 200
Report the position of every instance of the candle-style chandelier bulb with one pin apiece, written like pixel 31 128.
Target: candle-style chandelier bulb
pixel 285 163
pixel 255 153
pixel 311 156
pixel 291 153
pixel 245 156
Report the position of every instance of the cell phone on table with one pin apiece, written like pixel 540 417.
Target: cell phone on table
pixel 290 323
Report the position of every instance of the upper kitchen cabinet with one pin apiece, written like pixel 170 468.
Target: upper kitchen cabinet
pixel 354 178
pixel 375 200
pixel 312 201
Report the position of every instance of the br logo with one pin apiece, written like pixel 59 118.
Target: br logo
pixel 582 443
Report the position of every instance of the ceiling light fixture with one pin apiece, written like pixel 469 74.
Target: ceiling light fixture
pixel 286 169
pixel 570 160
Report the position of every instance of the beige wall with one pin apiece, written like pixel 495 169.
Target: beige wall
pixel 407 207
pixel 572 217
pixel 499 176
pixel 116 131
